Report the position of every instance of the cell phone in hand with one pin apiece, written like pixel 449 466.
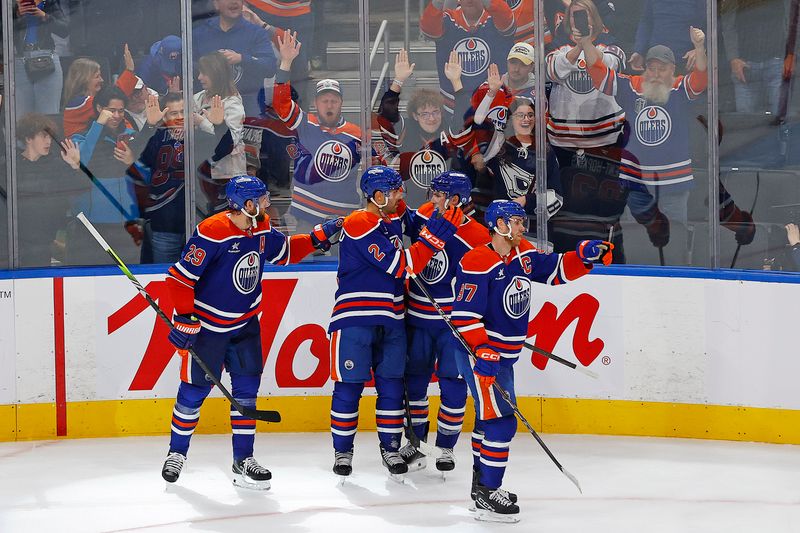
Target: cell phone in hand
pixel 581 19
pixel 123 139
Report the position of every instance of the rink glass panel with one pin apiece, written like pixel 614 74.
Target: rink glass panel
pixel 755 155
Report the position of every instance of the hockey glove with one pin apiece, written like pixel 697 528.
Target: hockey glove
pixel 438 230
pixel 325 234
pixel 183 335
pixel 595 252
pixel 658 230
pixel 487 365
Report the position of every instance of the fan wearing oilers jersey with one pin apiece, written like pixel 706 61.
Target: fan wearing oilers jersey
pixel 420 143
pixel 328 147
pixel 367 328
pixel 493 292
pixel 429 341
pixel 216 290
pixel 657 106
pixel 477 30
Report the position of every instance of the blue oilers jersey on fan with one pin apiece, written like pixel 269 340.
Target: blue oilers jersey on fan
pixel 371 274
pixel 493 293
pixel 221 266
pixel 439 274
pixel 656 151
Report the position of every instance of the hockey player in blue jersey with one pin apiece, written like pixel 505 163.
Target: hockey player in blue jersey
pixel 491 311
pixel 429 342
pixel 367 328
pixel 216 290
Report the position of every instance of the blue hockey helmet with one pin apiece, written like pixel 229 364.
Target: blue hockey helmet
pixel 380 178
pixel 452 183
pixel 242 188
pixel 505 209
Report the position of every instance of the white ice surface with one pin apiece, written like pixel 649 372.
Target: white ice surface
pixel 629 485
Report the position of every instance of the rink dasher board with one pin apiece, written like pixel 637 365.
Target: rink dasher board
pixel 677 356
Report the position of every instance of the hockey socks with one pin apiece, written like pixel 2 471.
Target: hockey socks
pixel 417 386
pixel 186 415
pixel 243 429
pixel 451 411
pixel 389 411
pixel 498 433
pixel 344 414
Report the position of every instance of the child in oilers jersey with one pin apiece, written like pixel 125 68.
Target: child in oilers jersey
pixel 367 326
pixel 216 290
pixel 491 308
pixel 429 340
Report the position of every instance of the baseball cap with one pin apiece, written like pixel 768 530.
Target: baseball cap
pixel 139 84
pixel 328 85
pixel 661 53
pixel 522 51
pixel 167 52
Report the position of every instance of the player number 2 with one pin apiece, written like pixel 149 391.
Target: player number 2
pixel 470 289
pixel 376 252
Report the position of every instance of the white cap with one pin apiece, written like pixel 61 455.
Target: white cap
pixel 328 85
pixel 522 51
pixel 139 83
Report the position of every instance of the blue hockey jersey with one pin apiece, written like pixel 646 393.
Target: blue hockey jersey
pixel 494 293
pixel 218 277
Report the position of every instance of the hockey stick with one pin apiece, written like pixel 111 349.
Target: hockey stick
pixel 249 412
pixel 558 359
pixel 752 208
pixel 428 449
pixel 506 396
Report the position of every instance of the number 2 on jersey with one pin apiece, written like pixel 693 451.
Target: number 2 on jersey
pixel 376 252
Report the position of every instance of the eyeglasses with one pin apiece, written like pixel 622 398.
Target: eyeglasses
pixel 427 115
pixel 520 116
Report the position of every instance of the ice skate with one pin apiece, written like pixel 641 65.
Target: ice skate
pixel 492 505
pixel 172 466
pixel 446 463
pixel 413 457
pixel 394 464
pixel 476 481
pixel 248 474
pixel 343 465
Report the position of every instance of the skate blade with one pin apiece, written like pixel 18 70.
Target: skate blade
pixel 444 475
pixel 471 507
pixel 241 481
pixel 398 478
pixel 340 482
pixel 483 515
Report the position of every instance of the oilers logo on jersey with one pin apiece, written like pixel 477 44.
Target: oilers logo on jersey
pixel 653 125
pixel 516 180
pixel 247 273
pixel 424 166
pixel 517 297
pixel 474 55
pixel 436 268
pixel 499 116
pixel 333 161
pixel 579 81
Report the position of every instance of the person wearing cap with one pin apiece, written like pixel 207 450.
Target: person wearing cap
pixel 328 148
pixel 656 154
pixel 135 111
pixel 162 68
pixel 246 47
pixel 478 30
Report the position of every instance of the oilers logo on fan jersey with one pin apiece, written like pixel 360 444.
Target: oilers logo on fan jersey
pixel 474 55
pixel 426 165
pixel 516 180
pixel 499 116
pixel 333 161
pixel 579 81
pixel 653 125
pixel 247 273
pixel 517 297
pixel 436 268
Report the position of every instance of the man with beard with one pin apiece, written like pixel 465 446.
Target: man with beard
pixel 656 104
pixel 216 289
